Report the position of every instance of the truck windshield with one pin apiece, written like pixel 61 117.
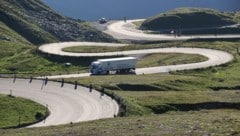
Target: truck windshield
pixel 94 65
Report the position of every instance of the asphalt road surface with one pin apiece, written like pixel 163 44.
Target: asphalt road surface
pixel 66 104
pixel 127 31
pixel 215 57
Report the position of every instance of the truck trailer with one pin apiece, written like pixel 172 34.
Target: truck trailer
pixel 117 65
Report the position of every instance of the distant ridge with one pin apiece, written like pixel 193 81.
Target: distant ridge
pixel 187 18
pixel 39 24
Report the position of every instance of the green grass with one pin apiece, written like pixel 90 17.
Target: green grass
pixel 24 59
pixel 180 103
pixel 149 60
pixel 210 122
pixel 178 95
pixel 195 102
pixel 152 60
pixel 158 102
pixel 92 49
pixel 11 42
pixel 9 35
pixel 236 16
pixel 14 107
pixel 193 83
pixel 17 55
pixel 144 93
pixel 100 49
pixel 26 63
pixel 24 24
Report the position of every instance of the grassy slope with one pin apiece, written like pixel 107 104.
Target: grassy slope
pixel 8 34
pixel 21 29
pixel 187 18
pixel 205 121
pixel 17 55
pixel 13 107
pixel 13 15
pixel 149 60
pixel 190 87
pixel 158 59
pixel 148 94
pixel 237 17
pixel 217 122
pixel 225 77
pixel 11 42
pixel 39 24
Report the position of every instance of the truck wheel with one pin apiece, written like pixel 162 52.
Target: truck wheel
pixel 123 71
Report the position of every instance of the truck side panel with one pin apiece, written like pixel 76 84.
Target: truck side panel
pixel 122 65
pixel 118 65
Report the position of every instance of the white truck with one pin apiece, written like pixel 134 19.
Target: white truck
pixel 117 65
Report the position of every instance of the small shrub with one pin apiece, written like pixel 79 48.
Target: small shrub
pixel 39 116
pixel 214 70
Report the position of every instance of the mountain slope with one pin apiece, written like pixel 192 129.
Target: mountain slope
pixel 39 24
pixel 25 23
pixel 187 18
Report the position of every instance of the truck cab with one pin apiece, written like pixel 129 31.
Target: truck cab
pixel 94 68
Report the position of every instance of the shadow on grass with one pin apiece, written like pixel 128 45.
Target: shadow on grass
pixel 78 61
pixel 140 87
pixel 218 88
pixel 159 109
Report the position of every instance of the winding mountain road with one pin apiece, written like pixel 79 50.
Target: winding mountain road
pixel 215 57
pixel 65 104
pixel 127 31
pixel 69 105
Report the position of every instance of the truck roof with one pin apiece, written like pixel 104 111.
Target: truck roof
pixel 118 59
